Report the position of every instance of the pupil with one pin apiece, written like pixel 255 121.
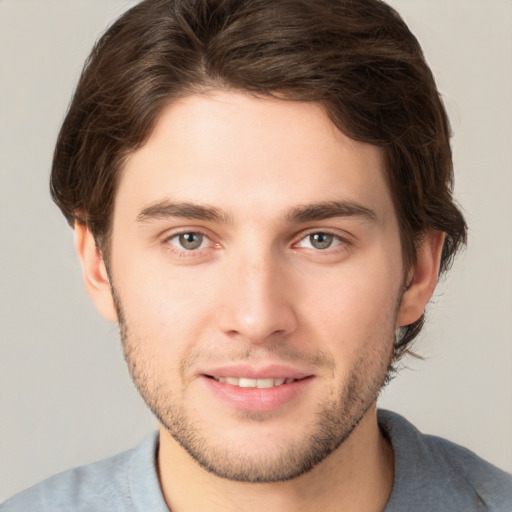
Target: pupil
pixel 321 240
pixel 191 240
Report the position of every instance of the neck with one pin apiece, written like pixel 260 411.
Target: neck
pixel 358 476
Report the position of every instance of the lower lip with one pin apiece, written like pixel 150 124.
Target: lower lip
pixel 257 399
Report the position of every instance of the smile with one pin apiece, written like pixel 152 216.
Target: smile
pixel 253 383
pixel 245 390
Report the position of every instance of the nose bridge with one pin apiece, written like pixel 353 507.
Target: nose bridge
pixel 257 303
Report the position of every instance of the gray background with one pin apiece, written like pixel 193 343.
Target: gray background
pixel 65 396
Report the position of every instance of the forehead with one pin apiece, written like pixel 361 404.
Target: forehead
pixel 239 152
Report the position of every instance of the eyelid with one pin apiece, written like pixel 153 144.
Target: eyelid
pixel 176 232
pixel 177 236
pixel 181 230
pixel 343 237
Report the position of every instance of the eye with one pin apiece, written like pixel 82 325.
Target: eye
pixel 319 241
pixel 189 241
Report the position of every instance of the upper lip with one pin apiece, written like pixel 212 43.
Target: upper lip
pixel 272 371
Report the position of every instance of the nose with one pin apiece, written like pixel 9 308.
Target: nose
pixel 258 302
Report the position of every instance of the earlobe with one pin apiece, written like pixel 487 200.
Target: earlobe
pixel 422 278
pixel 95 274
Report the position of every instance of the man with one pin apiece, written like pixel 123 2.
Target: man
pixel 261 194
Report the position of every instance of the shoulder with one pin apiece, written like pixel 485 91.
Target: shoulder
pixel 432 473
pixel 102 485
pixel 75 489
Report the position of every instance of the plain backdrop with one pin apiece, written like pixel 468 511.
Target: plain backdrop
pixel 65 395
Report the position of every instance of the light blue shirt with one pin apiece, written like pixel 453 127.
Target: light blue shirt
pixel 431 474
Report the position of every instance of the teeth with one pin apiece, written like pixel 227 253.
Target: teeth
pixel 254 383
pixel 269 383
pixel 247 383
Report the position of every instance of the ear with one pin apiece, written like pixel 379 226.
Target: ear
pixel 94 272
pixel 422 278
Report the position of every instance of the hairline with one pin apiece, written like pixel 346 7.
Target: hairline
pixel 206 89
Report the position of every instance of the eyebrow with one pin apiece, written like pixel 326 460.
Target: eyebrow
pixel 164 209
pixel 331 209
pixel 304 213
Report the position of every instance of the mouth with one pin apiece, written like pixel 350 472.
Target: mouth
pixel 244 382
pixel 257 393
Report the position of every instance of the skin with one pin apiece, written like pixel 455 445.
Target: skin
pixel 236 174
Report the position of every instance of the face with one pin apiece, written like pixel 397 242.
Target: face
pixel 257 271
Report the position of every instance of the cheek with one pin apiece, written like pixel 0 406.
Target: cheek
pixel 353 301
pixel 176 308
pixel 166 307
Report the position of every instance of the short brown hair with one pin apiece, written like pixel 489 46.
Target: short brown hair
pixel 356 58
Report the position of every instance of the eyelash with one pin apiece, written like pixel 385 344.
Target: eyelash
pixel 182 252
pixel 342 243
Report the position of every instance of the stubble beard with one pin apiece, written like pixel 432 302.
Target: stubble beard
pixel 334 421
